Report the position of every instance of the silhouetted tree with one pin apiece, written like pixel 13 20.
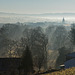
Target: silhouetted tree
pixel 27 63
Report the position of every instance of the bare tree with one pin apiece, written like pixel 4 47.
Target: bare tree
pixel 37 42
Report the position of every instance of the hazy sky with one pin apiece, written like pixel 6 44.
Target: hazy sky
pixel 37 6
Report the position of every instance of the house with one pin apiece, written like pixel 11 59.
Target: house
pixel 70 63
pixel 9 66
pixel 70 56
pixel 70 60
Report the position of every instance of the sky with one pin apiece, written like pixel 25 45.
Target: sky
pixel 37 6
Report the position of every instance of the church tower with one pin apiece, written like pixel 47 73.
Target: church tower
pixel 63 20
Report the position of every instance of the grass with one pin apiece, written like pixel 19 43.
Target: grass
pixel 70 71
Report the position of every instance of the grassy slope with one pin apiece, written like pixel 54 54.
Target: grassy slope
pixel 70 71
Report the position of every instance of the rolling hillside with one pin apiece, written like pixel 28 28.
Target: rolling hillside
pixel 70 71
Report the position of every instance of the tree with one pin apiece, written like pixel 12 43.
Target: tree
pixel 6 44
pixel 62 55
pixel 73 34
pixel 59 38
pixel 12 31
pixel 27 63
pixel 37 41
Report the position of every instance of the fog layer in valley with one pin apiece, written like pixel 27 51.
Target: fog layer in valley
pixel 49 17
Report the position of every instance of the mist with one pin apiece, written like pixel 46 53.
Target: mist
pixel 57 33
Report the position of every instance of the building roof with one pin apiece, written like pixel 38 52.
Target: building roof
pixel 70 63
pixel 71 54
pixel 9 63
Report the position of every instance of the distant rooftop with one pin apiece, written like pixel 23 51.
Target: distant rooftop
pixel 70 63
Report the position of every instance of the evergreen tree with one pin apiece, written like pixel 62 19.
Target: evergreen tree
pixel 27 63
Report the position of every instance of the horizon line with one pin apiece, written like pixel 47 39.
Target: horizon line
pixel 37 13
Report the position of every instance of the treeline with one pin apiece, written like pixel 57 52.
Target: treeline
pixel 14 38
pixel 13 44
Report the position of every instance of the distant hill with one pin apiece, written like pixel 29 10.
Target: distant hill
pixel 43 14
